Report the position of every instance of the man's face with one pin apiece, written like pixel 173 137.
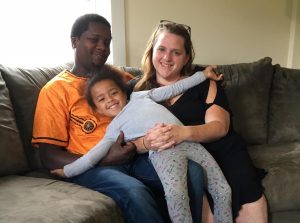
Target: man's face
pixel 92 48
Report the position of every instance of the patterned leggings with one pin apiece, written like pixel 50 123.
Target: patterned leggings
pixel 171 167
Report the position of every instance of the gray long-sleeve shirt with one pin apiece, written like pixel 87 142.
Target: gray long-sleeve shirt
pixel 140 114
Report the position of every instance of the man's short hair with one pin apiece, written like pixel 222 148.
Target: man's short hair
pixel 81 24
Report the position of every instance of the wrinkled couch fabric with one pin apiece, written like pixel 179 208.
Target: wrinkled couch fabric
pixel 264 100
pixel 29 199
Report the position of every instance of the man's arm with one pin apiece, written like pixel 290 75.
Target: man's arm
pixel 55 157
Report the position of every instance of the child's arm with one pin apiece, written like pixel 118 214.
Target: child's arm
pixel 89 160
pixel 169 91
pixel 166 92
pixel 116 155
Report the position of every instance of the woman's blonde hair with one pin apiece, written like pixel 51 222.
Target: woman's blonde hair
pixel 148 80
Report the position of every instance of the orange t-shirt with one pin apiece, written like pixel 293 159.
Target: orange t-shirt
pixel 64 118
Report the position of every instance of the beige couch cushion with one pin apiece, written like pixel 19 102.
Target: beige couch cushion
pixel 12 157
pixel 282 162
pixel 36 200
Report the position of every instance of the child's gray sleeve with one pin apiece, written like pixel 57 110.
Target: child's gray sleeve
pixel 169 91
pixel 89 160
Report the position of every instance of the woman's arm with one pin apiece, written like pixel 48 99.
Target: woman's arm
pixel 217 121
pixel 216 126
pixel 143 146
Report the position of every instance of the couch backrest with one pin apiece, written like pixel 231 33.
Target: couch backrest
pixel 284 112
pixel 247 85
pixel 24 86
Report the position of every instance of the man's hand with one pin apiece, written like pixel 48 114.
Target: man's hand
pixel 119 153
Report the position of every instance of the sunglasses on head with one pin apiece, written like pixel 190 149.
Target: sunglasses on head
pixel 165 22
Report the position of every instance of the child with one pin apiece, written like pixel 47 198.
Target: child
pixel 106 93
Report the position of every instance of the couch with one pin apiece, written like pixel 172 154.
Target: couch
pixel 264 99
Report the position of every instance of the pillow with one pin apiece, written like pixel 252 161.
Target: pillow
pixel 285 106
pixel 24 86
pixel 247 86
pixel 12 157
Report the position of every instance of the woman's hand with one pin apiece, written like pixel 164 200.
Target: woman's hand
pixel 163 136
pixel 58 173
pixel 178 133
pixel 141 145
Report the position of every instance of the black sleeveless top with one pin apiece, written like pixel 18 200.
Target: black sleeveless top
pixel 191 107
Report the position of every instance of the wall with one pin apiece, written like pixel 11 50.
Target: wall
pixel 296 55
pixel 223 31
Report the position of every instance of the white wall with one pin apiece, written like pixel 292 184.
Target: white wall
pixel 223 31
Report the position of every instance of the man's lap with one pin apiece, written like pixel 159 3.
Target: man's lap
pixel 139 171
pixel 135 199
pixel 116 181
pixel 106 178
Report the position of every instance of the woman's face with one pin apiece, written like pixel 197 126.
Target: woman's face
pixel 169 57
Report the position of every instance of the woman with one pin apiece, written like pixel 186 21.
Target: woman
pixel 205 113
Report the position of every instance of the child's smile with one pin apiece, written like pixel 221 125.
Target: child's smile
pixel 108 98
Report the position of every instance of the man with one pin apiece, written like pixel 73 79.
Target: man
pixel 65 127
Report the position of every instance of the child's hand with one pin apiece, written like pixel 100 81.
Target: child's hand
pixel 58 172
pixel 210 73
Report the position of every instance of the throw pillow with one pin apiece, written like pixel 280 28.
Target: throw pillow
pixel 12 157
pixel 247 86
pixel 285 106
pixel 24 86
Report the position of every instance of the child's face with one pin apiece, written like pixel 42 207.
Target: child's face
pixel 108 98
